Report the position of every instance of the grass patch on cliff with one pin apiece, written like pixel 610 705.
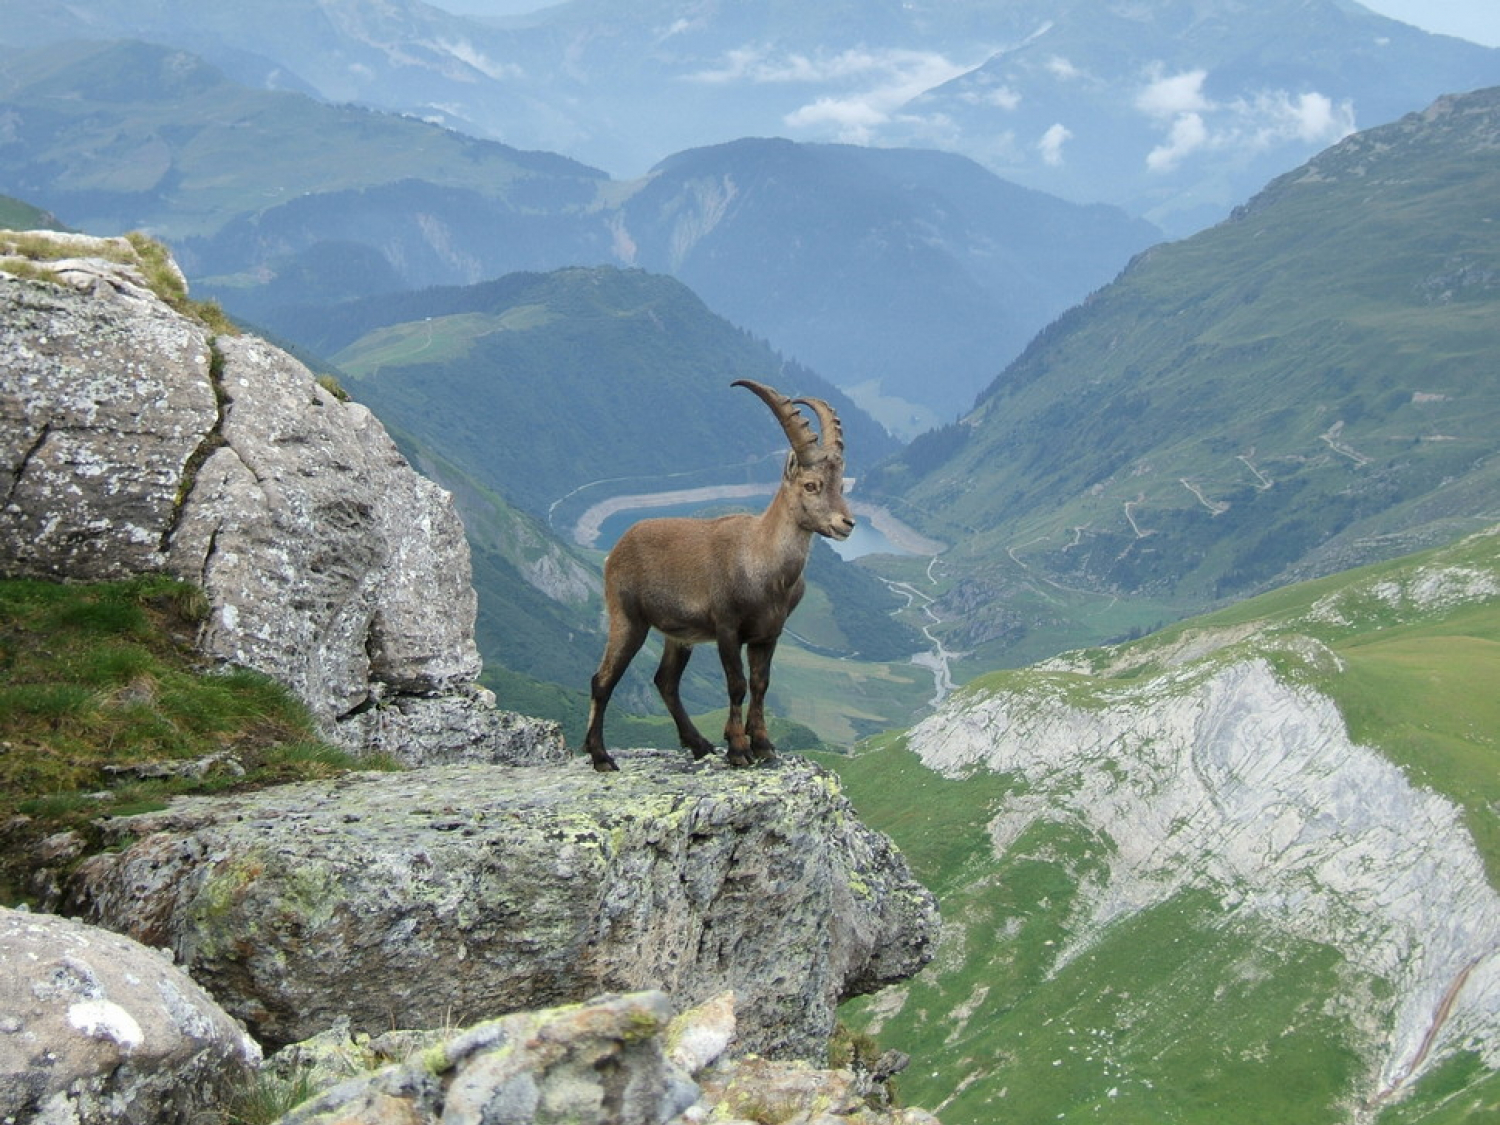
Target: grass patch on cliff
pixel 106 709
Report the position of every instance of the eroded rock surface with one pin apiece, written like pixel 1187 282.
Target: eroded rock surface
pixel 453 893
pixel 95 1028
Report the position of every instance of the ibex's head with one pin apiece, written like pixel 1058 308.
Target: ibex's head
pixel 814 476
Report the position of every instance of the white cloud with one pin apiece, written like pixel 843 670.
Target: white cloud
pixel 1251 123
pixel 1188 134
pixel 760 65
pixel 1060 67
pixel 1169 95
pixel 870 85
pixel 1051 144
pixel 998 97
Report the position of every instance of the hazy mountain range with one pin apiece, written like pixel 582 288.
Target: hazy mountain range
pixel 1173 109
pixel 915 274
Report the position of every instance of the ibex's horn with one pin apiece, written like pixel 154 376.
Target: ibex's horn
pixel 798 430
pixel 833 433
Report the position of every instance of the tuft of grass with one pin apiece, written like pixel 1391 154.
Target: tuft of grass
pixel 106 710
pixel 24 254
pixel 268 1097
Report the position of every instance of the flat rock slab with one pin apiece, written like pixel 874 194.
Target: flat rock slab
pixel 451 894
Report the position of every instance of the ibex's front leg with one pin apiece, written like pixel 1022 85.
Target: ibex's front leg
pixel 734 679
pixel 674 659
pixel 760 681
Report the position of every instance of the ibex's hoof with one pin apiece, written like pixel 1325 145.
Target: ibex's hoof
pixel 701 750
pixel 605 764
pixel 740 761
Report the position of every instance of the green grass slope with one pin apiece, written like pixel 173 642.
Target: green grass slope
pixel 106 709
pixel 1190 1009
pixel 1305 387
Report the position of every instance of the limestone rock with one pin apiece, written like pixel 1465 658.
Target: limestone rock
pixel 454 893
pixel 132 440
pixel 96 1028
pixel 599 1062
pixel 1221 775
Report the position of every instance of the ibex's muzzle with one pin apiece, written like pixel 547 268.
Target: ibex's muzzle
pixel 840 527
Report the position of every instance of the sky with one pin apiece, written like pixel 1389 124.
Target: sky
pixel 1478 20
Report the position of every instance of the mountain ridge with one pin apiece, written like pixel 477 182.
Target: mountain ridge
pixel 1301 388
pixel 1174 110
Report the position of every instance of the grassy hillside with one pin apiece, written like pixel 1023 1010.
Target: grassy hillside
pixel 105 709
pixel 1305 387
pixel 15 214
pixel 1190 1010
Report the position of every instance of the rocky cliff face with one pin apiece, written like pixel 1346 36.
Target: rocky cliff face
pixel 134 438
pixel 1225 773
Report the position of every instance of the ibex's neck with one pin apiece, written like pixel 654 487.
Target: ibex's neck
pixel 780 535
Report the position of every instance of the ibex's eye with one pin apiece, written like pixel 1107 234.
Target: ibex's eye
pixel 812 486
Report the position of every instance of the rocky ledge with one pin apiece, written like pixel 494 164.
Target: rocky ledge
pixel 448 894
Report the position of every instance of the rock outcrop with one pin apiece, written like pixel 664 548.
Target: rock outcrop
pixel 454 893
pixel 95 1029
pixel 619 1059
pixel 135 439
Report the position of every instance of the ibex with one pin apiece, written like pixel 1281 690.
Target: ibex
pixel 730 581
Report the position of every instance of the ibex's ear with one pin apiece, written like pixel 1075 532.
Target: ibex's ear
pixel 792 465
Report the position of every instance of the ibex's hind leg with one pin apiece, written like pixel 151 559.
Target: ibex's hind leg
pixel 760 682
pixel 674 659
pixel 734 680
pixel 625 640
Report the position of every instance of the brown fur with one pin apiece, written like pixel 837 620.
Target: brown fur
pixel 731 582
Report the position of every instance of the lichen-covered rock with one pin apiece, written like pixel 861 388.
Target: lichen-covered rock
pixel 105 396
pixel 134 440
pixel 95 1028
pixel 614 1060
pixel 598 1062
pixel 455 893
